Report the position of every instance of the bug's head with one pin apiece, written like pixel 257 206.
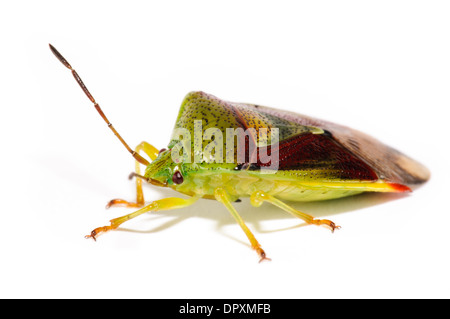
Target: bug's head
pixel 165 171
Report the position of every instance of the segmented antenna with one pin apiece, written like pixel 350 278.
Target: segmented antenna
pixel 138 157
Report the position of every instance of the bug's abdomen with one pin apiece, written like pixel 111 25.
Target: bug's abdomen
pixel 301 194
pixel 244 184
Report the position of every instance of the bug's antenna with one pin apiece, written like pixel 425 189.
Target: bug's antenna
pixel 138 157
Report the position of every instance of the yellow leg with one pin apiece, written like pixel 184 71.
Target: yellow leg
pixel 222 196
pixel 258 197
pixel 152 152
pixel 157 205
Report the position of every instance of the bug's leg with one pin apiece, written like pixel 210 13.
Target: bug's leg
pixel 258 197
pixel 222 196
pixel 152 152
pixel 157 205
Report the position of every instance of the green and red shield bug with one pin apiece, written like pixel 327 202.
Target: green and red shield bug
pixel 304 159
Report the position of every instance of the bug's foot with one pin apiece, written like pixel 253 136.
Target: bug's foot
pixel 327 223
pixel 123 203
pixel 262 255
pixel 99 230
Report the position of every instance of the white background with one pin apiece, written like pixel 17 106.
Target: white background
pixel 381 67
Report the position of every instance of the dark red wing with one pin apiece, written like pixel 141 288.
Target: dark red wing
pixel 318 155
pixel 387 163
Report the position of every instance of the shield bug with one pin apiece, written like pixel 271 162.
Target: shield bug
pixel 302 159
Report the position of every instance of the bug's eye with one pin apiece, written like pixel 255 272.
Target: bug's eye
pixel 161 150
pixel 177 178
